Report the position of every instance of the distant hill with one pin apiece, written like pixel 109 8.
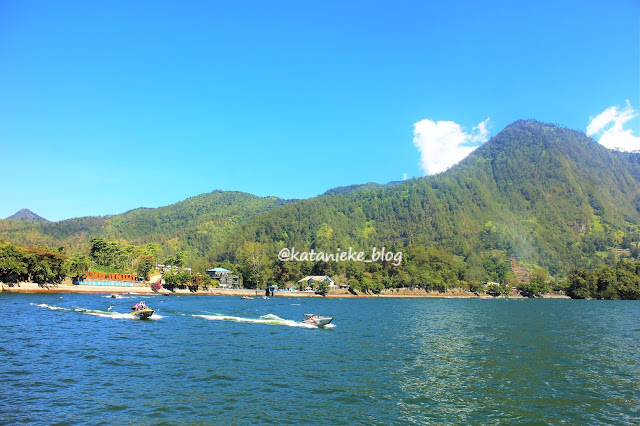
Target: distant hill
pixel 195 224
pixel 26 214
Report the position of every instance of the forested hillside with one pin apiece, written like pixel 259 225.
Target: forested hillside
pixel 194 225
pixel 545 195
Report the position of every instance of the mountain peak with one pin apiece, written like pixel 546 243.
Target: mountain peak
pixel 26 214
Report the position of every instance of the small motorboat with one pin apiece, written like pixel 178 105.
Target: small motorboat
pixel 317 320
pixel 116 296
pixel 141 311
pixel 247 298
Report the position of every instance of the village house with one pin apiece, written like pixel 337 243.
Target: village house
pixel 224 276
pixel 310 279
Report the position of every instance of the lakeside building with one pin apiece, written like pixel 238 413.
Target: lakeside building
pixel 225 277
pixel 165 268
pixel 310 279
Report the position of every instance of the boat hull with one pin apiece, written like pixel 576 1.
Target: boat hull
pixel 318 321
pixel 142 313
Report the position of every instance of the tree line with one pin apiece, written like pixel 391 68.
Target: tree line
pixel 37 264
pixel 423 266
pixel 620 281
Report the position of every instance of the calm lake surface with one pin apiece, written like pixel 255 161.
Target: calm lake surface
pixel 77 358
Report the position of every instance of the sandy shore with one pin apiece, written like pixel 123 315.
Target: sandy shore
pixel 145 289
pixel 24 287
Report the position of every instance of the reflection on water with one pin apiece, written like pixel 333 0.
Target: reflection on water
pixel 222 360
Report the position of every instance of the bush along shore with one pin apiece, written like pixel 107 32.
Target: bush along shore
pixel 424 272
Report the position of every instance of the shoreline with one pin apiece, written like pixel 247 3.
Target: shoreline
pixel 33 288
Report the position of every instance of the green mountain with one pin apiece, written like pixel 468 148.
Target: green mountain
pixel 540 194
pixel 545 195
pixel 26 214
pixel 194 225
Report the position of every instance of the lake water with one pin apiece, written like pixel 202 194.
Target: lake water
pixel 77 358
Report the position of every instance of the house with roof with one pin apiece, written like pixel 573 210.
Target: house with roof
pixel 225 277
pixel 308 280
pixel 291 287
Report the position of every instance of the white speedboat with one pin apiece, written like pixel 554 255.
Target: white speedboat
pixel 317 320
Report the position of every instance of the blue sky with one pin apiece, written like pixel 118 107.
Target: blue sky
pixel 111 105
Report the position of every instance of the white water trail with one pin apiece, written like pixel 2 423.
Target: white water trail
pixel 93 312
pixel 269 319
pixel 53 308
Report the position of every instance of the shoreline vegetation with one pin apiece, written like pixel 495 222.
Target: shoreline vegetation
pixel 426 271
pixel 28 287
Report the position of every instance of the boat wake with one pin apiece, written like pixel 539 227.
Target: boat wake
pixel 53 308
pixel 94 312
pixel 268 319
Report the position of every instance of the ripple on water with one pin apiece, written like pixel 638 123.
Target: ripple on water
pixel 386 361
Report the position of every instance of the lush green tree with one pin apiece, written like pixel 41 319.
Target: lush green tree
pixel 144 264
pixel 561 286
pixel 494 289
pixel 13 267
pixel 497 267
pixel 354 283
pixel 321 287
pixel 172 278
pixel 606 283
pixel 180 259
pixel 99 251
pixel 475 287
pixel 539 283
pixel 45 266
pixel 254 264
pixel 582 284
pixel 628 280
pixel 78 266
pixel 109 253
pixel 431 268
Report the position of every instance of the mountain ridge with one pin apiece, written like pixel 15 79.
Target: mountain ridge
pixel 201 219
pixel 26 214
pixel 531 191
pixel 540 193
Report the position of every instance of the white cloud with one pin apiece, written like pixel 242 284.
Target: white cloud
pixel 609 124
pixel 443 143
